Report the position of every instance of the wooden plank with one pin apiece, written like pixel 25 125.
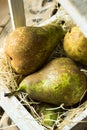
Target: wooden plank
pixel 6 123
pixel 4 12
pixel 20 116
pixel 76 121
pixel 16 8
pixel 7 29
pixel 78 11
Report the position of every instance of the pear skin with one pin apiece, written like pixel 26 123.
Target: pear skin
pixel 75 45
pixel 30 47
pixel 48 117
pixel 60 81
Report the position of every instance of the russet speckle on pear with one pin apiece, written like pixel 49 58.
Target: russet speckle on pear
pixel 30 47
pixel 60 81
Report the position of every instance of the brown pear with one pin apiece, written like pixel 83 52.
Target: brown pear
pixel 30 47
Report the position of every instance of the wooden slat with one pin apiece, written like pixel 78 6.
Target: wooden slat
pixel 76 121
pixel 20 116
pixel 17 13
pixel 78 11
pixel 5 124
pixel 4 12
pixel 7 29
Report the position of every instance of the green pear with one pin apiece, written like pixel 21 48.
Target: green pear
pixel 48 113
pixel 30 47
pixel 60 81
pixel 75 45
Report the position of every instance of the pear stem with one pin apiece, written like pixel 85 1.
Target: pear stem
pixel 10 93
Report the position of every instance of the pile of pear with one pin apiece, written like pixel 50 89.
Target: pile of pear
pixel 58 81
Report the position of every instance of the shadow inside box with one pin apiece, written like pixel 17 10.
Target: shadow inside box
pixel 1 112
pixel 81 125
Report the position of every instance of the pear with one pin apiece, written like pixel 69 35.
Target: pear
pixel 75 45
pixel 29 47
pixel 59 82
pixel 48 113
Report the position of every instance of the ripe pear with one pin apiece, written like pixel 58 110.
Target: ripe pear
pixel 60 81
pixel 29 47
pixel 75 45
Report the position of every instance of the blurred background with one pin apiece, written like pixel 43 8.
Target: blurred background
pixel 4 13
pixel 36 11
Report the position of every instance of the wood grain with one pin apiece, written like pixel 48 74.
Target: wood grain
pixel 20 116
pixel 17 13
